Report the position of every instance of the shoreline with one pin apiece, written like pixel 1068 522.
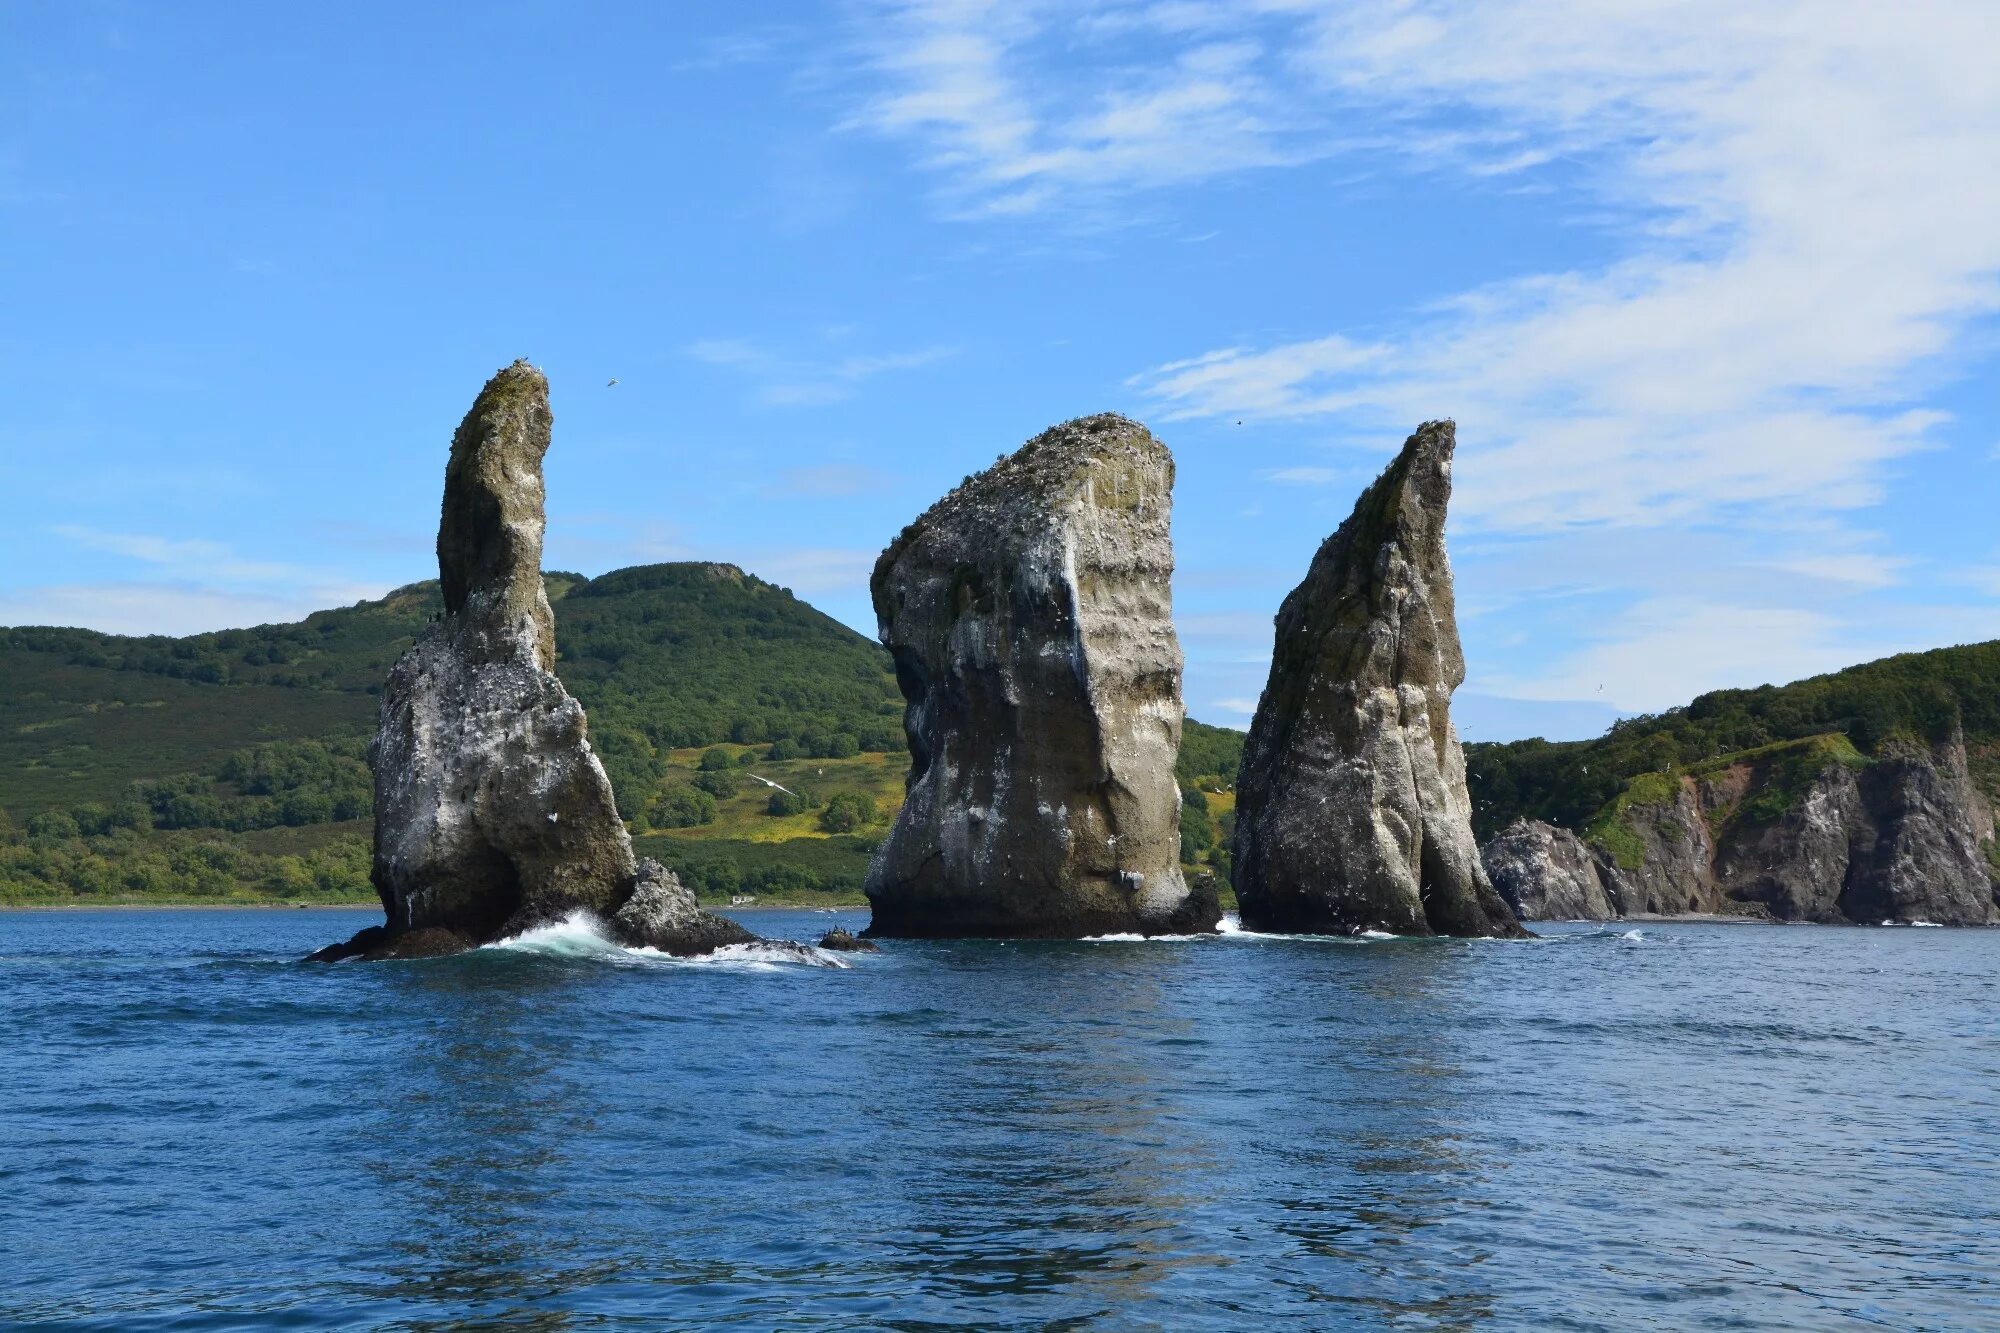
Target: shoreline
pixel 361 906
pixel 1685 919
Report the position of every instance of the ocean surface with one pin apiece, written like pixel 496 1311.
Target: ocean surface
pixel 1674 1126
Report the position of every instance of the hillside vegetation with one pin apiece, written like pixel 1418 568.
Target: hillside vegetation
pixel 232 765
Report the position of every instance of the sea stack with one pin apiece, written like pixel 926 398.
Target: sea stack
pixel 1351 808
pixel 492 815
pixel 1029 614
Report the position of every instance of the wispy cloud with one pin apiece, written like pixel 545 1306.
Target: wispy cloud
pixel 807 570
pixel 795 381
pixel 1800 181
pixel 163 608
pixel 1305 476
pixel 830 479
pixel 973 85
pixel 1856 570
pixel 1663 651
pixel 180 585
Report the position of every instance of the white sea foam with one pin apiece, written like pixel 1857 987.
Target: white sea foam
pixel 1232 924
pixel 1231 927
pixel 760 957
pixel 1633 935
pixel 578 935
pixel 582 935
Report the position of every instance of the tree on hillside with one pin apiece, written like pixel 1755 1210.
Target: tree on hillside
pixel 683 807
pixel 848 811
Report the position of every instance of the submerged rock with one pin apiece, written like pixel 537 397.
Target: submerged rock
pixel 492 814
pixel 841 940
pixel 662 914
pixel 1351 807
pixel 1030 618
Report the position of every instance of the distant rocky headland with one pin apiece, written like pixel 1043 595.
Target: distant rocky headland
pixel 1809 830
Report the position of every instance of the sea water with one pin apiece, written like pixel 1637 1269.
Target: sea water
pixel 1673 1126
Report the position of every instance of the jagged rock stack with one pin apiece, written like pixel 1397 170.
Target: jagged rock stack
pixel 1351 807
pixel 492 815
pixel 1029 614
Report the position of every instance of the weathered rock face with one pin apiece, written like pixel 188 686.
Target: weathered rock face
pixel 1796 868
pixel 1030 619
pixel 1671 875
pixel 1927 859
pixel 1547 874
pixel 661 914
pixel 1903 838
pixel 1351 808
pixel 492 815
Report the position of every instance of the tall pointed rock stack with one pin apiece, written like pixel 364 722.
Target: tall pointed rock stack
pixel 492 815
pixel 1351 807
pixel 1030 617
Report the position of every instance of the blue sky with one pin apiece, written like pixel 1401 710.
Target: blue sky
pixel 1709 288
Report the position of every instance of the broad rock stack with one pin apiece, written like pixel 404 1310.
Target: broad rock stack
pixel 1030 618
pixel 1351 808
pixel 492 815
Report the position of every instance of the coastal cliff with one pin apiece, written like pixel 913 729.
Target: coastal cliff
pixel 1808 830
pixel 1351 807
pixel 1029 615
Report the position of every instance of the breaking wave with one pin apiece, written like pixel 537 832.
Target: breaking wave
pixel 1231 926
pixel 582 935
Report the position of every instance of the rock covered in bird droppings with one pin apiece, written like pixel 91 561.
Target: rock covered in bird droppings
pixel 492 813
pixel 1351 807
pixel 1029 614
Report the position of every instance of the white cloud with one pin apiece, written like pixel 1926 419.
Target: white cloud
pixel 166 608
pixel 1804 186
pixel 1232 626
pixel 1853 570
pixel 1305 476
pixel 209 559
pixel 969 83
pixel 808 570
pixel 1986 578
pixel 180 586
pixel 1666 650
pixel 1803 183
pixel 1662 652
pixel 790 381
pixel 726 352
pixel 830 479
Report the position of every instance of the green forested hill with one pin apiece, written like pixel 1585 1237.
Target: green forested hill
pixel 233 764
pixel 662 656
pixel 1924 695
